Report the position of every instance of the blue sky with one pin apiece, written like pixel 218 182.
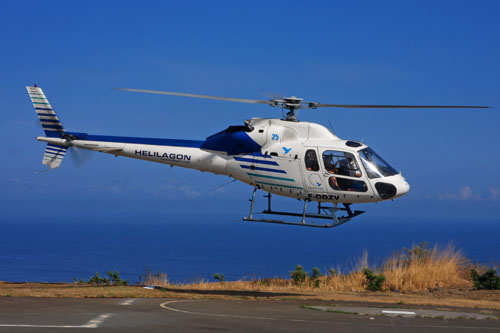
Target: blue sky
pixel 366 52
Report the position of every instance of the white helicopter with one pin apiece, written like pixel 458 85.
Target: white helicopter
pixel 294 159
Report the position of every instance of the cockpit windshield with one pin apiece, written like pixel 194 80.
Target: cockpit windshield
pixel 375 165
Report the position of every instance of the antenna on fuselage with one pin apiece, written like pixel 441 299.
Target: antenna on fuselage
pixel 331 126
pixel 166 172
pixel 218 187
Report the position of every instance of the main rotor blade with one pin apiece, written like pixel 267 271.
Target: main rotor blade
pixel 196 96
pixel 404 106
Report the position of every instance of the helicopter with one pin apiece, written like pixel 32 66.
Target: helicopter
pixel 280 156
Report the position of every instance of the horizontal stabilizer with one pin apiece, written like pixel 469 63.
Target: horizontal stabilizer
pixel 54 155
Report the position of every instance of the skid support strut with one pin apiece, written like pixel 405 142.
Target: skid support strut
pixel 304 211
pixel 324 213
pixel 252 201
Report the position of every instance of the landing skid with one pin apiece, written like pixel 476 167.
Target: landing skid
pixel 325 213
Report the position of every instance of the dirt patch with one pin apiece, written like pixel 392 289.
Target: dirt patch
pixel 456 298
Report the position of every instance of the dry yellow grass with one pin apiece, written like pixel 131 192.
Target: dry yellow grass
pixel 419 268
pixel 416 269
pixel 155 279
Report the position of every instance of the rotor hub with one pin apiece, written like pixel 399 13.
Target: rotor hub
pixel 292 103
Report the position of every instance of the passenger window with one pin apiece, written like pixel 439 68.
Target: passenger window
pixel 311 160
pixel 341 163
pixel 345 184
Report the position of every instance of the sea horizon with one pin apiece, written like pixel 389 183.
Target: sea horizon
pixel 191 251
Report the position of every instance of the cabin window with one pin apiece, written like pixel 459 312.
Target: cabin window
pixel 341 163
pixel 345 184
pixel 311 160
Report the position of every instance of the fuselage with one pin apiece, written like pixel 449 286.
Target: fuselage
pixel 294 159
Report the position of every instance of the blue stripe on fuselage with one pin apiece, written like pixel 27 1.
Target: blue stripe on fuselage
pixel 144 141
pixel 251 160
pixel 259 154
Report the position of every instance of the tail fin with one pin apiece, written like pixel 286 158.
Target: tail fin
pixel 51 125
pixel 48 118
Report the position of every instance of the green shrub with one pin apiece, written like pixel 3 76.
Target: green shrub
pixel 219 277
pixel 316 274
pixel 97 279
pixel 489 280
pixel 332 272
pixel 299 275
pixel 374 281
pixel 114 277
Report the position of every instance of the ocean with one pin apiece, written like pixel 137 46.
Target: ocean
pixel 195 250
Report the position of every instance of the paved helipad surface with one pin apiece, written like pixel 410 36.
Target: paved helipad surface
pixel 152 315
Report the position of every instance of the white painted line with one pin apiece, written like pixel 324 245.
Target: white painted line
pixel 93 323
pixel 164 305
pixel 392 325
pixel 399 312
pixel 128 302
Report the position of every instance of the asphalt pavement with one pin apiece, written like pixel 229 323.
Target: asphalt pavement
pixel 26 314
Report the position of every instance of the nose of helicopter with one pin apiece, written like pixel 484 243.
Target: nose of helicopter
pixel 402 186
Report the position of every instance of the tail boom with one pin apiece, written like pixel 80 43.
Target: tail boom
pixel 176 154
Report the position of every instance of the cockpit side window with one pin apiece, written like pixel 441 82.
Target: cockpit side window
pixel 311 160
pixel 341 163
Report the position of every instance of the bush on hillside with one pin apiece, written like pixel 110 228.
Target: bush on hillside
pixel 489 280
pixel 299 275
pixel 113 278
pixel 97 279
pixel 219 277
pixel 374 281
